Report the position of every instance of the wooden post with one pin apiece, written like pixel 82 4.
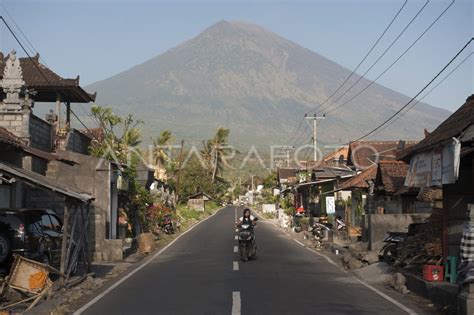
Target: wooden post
pixel 68 115
pixel 62 267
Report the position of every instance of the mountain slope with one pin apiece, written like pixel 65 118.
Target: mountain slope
pixel 257 83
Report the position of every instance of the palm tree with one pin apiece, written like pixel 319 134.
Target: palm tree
pixel 218 146
pixel 160 156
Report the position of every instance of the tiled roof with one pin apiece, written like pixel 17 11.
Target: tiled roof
pixel 360 180
pixel 333 157
pixel 451 127
pixel 9 138
pixel 363 154
pixel 391 176
pixel 46 86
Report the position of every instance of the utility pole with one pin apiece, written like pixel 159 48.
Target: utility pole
pixel 179 173
pixel 252 182
pixel 314 126
pixel 288 149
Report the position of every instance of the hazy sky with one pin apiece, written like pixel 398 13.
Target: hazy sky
pixel 97 39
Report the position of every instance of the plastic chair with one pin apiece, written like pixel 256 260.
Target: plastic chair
pixel 451 269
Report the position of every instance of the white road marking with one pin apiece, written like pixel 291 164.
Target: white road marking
pixel 236 266
pixel 388 298
pixel 329 260
pixel 236 249
pixel 236 302
pixel 145 263
pixel 236 238
pixel 299 243
pixel 236 230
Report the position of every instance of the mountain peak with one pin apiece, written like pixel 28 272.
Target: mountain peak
pixel 225 26
pixel 257 83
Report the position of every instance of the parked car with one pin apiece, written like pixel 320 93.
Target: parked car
pixel 34 233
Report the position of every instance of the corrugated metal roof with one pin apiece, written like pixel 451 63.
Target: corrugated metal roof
pixel 44 182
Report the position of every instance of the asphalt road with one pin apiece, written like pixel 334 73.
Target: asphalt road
pixel 201 274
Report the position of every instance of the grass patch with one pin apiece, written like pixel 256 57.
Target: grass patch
pixel 188 216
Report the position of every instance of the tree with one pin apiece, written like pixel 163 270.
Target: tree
pixel 215 151
pixel 160 155
pixel 120 134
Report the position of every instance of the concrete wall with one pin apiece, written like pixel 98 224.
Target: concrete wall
pixel 380 224
pixel 41 133
pixel 77 142
pixel 269 208
pixel 196 204
pixel 91 175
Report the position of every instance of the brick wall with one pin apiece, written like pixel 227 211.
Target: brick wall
pixel 13 122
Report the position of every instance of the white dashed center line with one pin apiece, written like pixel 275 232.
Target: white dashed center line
pixel 236 238
pixel 236 302
pixel 236 265
pixel 236 249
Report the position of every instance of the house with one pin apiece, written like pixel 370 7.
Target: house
pixel 445 158
pixel 337 157
pixel 197 201
pixel 362 154
pixel 359 187
pixel 316 190
pixel 54 150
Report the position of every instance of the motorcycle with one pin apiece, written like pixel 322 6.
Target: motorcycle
pixel 247 246
pixel 167 224
pixel 318 232
pixel 390 250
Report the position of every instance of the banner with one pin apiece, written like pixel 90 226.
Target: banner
pixel 436 167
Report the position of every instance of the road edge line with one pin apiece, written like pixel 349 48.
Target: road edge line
pixel 332 262
pixel 141 266
pixel 385 296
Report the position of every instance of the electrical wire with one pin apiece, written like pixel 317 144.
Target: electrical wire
pixel 38 68
pixel 425 95
pixel 366 55
pixel 294 133
pixel 394 62
pixel 421 91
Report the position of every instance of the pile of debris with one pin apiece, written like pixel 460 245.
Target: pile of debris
pixel 358 256
pixel 423 244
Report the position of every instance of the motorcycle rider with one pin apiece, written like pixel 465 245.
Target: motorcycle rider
pixel 247 218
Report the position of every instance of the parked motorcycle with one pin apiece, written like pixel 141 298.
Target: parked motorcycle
pixel 390 249
pixel 247 246
pixel 318 232
pixel 167 224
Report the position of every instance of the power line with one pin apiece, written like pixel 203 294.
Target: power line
pixel 294 133
pixel 37 67
pixel 393 63
pixel 383 53
pixel 426 94
pixel 34 50
pixel 366 55
pixel 421 91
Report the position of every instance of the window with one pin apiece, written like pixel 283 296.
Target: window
pixel 57 226
pixel 46 222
